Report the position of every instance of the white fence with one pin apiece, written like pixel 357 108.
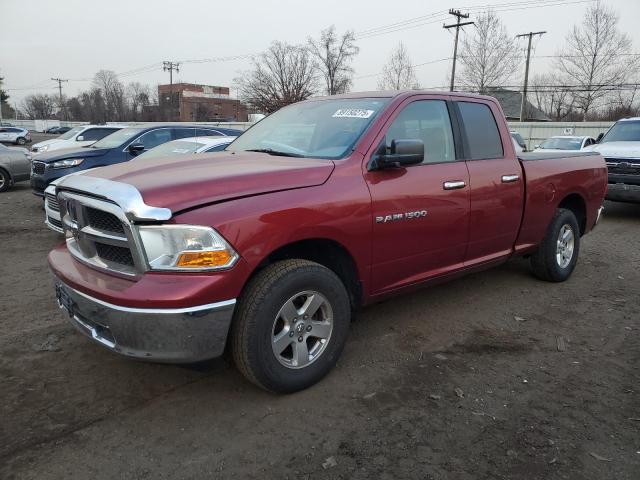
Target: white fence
pixel 535 132
pixel 42 125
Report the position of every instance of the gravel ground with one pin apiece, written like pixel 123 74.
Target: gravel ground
pixel 496 376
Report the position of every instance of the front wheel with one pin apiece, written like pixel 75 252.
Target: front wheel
pixel 21 141
pixel 5 180
pixel 558 253
pixel 290 325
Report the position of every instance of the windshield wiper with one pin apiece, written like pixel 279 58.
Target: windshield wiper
pixel 271 151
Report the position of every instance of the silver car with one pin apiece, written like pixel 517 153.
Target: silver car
pixel 15 166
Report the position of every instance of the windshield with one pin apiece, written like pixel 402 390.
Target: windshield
pixel 70 134
pixel 177 147
pixel 118 138
pixel 562 144
pixel 623 132
pixel 319 129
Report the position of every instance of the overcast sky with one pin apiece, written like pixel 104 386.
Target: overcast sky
pixel 73 39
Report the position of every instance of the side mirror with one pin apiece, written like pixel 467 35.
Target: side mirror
pixel 402 153
pixel 536 146
pixel 136 148
pixel 599 137
pixel 79 138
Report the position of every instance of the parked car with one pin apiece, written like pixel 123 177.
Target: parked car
pixel 15 164
pixel 53 129
pixel 188 146
pixel 120 146
pixel 15 135
pixel 62 130
pixel 620 147
pixel 76 137
pixel 169 149
pixel 6 124
pixel 321 207
pixel 519 140
pixel 563 143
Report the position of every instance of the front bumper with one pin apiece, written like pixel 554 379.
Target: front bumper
pixel 623 192
pixel 173 335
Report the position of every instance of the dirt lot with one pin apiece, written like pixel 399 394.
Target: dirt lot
pixel 496 375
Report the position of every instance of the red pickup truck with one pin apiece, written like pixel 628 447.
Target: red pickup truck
pixel 266 249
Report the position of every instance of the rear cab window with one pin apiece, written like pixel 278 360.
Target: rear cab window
pixel 481 132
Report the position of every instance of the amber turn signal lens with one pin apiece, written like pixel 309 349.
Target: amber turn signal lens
pixel 218 258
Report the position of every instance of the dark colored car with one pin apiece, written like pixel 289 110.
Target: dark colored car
pixel 118 147
pixel 52 129
pixel 61 130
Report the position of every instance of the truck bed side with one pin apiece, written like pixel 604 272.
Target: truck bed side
pixel 554 178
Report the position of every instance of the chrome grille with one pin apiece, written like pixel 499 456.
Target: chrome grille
pixel 115 254
pixel 99 234
pixel 104 221
pixel 38 167
pixel 52 202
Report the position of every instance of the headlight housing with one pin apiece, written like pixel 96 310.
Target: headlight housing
pixel 43 148
pixel 71 162
pixel 186 248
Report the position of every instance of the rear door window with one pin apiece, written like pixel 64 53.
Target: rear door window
pixel 154 138
pixel 483 139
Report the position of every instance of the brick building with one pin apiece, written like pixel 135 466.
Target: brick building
pixel 188 102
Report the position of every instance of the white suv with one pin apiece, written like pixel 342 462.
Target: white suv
pixel 16 135
pixel 76 137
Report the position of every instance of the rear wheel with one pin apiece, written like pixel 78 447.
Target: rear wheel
pixel 21 141
pixel 558 253
pixel 290 325
pixel 5 180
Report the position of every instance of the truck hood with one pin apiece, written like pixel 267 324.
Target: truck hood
pixel 187 181
pixel 74 152
pixel 617 149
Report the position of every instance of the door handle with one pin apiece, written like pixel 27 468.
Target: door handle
pixel 510 178
pixel 453 185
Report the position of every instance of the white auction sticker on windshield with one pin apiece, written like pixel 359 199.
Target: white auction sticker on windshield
pixel 353 113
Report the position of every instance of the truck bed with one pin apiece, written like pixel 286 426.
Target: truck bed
pixel 581 175
pixel 530 156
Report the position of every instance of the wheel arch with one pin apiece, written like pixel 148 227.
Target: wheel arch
pixel 576 203
pixel 326 252
pixel 4 169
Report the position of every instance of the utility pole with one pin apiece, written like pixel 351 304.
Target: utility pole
pixel 62 104
pixel 170 67
pixel 457 25
pixel 526 73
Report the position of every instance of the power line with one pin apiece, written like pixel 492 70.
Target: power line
pixel 170 67
pixel 523 104
pixel 62 104
pixel 457 25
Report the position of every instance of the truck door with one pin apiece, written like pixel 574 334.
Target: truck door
pixel 497 185
pixel 420 212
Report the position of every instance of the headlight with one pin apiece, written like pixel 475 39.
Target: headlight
pixel 186 247
pixel 72 162
pixel 43 148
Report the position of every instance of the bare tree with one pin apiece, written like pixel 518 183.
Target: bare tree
pixel 489 56
pixel 113 94
pixel 282 75
pixel 552 96
pixel 139 96
pixel 334 54
pixel 398 73
pixel 592 61
pixel 39 106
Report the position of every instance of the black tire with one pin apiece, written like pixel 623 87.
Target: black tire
pixel 545 263
pixel 21 141
pixel 256 316
pixel 5 180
